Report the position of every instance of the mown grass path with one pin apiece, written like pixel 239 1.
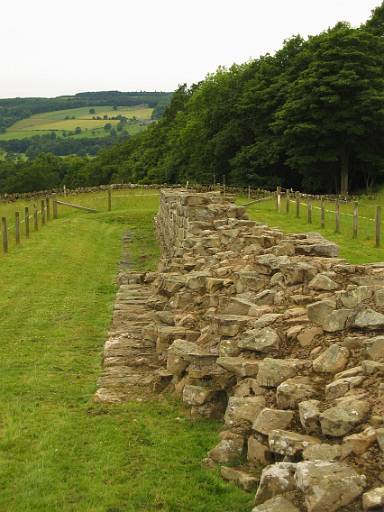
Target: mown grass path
pixel 58 450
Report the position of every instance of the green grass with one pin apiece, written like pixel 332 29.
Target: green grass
pixel 361 250
pixel 46 122
pixel 58 450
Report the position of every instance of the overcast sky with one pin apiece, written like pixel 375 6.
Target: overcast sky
pixel 52 47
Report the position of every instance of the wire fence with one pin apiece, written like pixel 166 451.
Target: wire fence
pixel 347 215
pixel 23 218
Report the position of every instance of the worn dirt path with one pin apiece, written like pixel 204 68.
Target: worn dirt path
pixel 129 359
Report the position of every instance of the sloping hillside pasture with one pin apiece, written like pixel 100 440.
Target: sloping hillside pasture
pixel 361 250
pixel 59 451
pixel 47 122
pixel 139 111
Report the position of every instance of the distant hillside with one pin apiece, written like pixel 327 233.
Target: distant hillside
pixel 15 109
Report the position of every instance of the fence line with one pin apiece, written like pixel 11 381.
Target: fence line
pixel 45 216
pixel 330 211
pixel 279 193
pixel 49 203
pixel 49 206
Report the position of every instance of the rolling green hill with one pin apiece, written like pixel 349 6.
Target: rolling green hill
pixel 82 124
pixel 91 120
pixel 15 109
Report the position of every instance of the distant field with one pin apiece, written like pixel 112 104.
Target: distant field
pixel 56 121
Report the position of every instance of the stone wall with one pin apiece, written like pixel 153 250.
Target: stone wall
pixel 284 341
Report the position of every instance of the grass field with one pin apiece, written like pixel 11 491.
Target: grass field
pixel 58 450
pixel 47 122
pixel 361 250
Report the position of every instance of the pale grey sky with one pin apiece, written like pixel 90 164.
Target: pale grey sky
pixel 52 47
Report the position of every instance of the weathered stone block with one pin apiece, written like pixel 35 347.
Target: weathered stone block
pixel 272 419
pixel 375 349
pixel 340 387
pixel 196 395
pixel 292 391
pixel 240 478
pixel 230 325
pixel 260 340
pixel 318 312
pixel 323 451
pixel 369 319
pixel 374 499
pixel 328 486
pixel 240 410
pixel 239 366
pixel 257 452
pixel 323 282
pixel 359 443
pixel 277 504
pixel 276 479
pixel 334 359
pixel 228 451
pixel 342 419
pixel 309 413
pixel 273 372
pixel 289 443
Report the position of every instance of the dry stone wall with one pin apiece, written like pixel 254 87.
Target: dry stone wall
pixel 283 341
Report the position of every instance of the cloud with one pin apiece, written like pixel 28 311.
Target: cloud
pixel 51 48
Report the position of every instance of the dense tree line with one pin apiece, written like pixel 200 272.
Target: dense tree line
pixel 311 116
pixel 15 109
pixel 45 172
pixel 50 143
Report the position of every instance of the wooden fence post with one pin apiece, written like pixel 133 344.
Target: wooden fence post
pixel 309 210
pixel 355 219
pixel 17 227
pixel 287 202
pixel 26 221
pixel 48 205
pixel 249 192
pixel 378 226
pixel 224 185
pixel 297 205
pixel 109 199
pixel 337 217
pixel 278 198
pixel 65 190
pixel 54 208
pixel 35 220
pixel 4 229
pixel 322 213
pixel 42 212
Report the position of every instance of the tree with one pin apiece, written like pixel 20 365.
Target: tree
pixel 376 23
pixel 334 107
pixel 77 130
pixel 92 111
